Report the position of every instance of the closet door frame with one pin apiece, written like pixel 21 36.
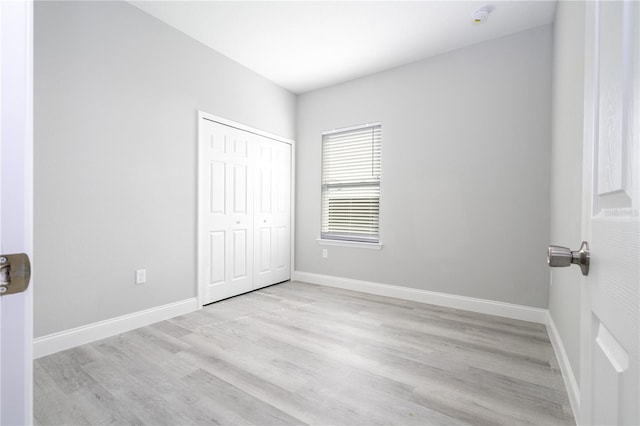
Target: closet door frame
pixel 202 262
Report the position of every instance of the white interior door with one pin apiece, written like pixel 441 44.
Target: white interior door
pixel 226 211
pixel 272 212
pixel 610 376
pixel 16 192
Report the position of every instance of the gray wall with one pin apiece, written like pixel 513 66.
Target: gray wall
pixel 116 95
pixel 566 171
pixel 465 171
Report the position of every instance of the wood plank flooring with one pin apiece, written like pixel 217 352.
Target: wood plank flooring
pixel 297 353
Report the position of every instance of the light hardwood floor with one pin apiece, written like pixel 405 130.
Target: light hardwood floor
pixel 297 353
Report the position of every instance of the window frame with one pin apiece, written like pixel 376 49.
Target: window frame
pixel 346 239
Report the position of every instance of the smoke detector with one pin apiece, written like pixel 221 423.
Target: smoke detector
pixel 481 15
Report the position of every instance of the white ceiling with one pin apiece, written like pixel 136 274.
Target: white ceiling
pixel 306 45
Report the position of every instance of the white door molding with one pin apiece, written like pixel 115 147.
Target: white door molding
pixel 16 206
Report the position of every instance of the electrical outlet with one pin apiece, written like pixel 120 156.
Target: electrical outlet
pixel 325 253
pixel 141 276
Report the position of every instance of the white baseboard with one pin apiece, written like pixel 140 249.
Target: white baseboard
pixel 565 367
pixel 56 342
pixel 483 306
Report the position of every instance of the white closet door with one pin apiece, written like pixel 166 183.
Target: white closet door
pixel 272 212
pixel 244 230
pixel 226 203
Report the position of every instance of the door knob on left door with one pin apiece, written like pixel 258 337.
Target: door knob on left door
pixel 558 256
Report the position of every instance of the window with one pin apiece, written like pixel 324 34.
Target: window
pixel 351 184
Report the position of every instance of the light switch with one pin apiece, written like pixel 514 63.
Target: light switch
pixel 141 276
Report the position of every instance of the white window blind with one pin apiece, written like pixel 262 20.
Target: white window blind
pixel 351 184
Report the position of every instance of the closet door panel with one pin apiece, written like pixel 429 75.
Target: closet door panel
pixel 264 245
pixel 282 213
pixel 240 254
pixel 263 167
pixel 239 189
pixel 227 240
pixel 217 268
pixel 281 252
pixel 217 193
pixel 239 211
pixel 265 191
pixel 272 218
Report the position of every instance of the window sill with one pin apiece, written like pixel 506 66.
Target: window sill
pixel 355 244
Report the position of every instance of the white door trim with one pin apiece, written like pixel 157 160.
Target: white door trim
pixel 16 198
pixel 201 285
pixel 240 126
